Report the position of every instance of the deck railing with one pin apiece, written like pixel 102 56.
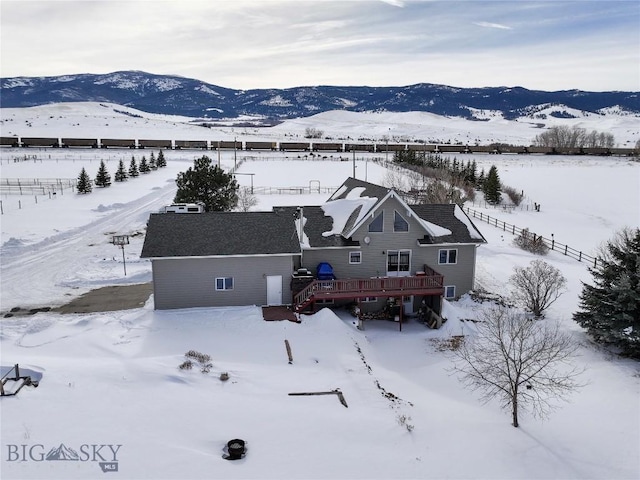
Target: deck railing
pixel 359 287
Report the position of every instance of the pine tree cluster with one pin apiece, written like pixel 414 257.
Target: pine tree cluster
pixel 103 178
pixel 457 171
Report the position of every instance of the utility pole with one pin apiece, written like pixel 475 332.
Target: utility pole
pixel 354 163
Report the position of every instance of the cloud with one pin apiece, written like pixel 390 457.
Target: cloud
pixel 285 43
pixel 492 25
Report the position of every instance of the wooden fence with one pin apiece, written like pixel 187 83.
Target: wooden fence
pixel 551 243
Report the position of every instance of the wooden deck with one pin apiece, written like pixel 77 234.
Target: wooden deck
pixel 429 284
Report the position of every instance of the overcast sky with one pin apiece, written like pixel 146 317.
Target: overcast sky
pixel 244 44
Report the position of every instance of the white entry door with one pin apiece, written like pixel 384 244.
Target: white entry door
pixel 274 289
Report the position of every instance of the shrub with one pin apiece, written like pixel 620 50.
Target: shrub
pixel 531 242
pixel 514 196
pixel 202 359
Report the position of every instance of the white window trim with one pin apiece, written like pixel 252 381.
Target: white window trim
pixel 224 284
pixel 395 212
pixel 403 250
pixel 446 288
pixel 381 214
pixel 359 258
pixel 448 262
pixel 369 299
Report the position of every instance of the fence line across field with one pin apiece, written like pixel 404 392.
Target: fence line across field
pixel 551 243
pixel 35 186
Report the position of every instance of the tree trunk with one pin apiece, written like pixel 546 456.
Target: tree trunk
pixel 514 411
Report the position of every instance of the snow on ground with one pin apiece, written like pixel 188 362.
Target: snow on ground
pixel 105 120
pixel 112 378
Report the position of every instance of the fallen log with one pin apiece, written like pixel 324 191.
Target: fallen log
pixel 336 392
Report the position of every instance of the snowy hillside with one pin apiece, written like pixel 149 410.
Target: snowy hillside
pixel 102 120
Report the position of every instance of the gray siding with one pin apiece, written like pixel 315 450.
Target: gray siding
pixel 374 254
pixel 190 282
pixel 461 274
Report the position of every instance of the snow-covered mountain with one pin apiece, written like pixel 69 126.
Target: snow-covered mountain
pixel 175 95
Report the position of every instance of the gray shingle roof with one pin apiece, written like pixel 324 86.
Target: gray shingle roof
pixel 443 215
pixel 220 233
pixel 370 189
pixel 317 223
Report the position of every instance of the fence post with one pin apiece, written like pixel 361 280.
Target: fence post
pixel 580 256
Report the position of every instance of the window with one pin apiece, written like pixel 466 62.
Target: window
pixel 399 223
pixel 398 260
pixel 324 301
pixel 369 299
pixel 224 283
pixel 448 256
pixel 377 224
pixel 450 291
pixel 355 257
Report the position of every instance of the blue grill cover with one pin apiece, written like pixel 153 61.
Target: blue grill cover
pixel 325 271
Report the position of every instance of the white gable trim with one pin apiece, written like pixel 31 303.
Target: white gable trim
pixel 409 211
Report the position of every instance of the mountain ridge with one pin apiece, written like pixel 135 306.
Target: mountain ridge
pixel 177 95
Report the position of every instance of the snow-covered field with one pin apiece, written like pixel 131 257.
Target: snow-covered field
pixel 112 378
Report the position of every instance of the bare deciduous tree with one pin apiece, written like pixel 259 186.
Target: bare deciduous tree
pixel 523 363
pixel 537 286
pixel 246 200
pixel 311 132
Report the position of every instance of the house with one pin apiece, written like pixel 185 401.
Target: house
pixel 375 245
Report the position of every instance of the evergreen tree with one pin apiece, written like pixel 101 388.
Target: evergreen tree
pixel 152 162
pixel 161 162
pixel 610 308
pixel 121 174
pixel 133 168
pixel 208 184
pixel 472 175
pixel 103 179
pixel 481 179
pixel 491 187
pixel 144 166
pixel 84 182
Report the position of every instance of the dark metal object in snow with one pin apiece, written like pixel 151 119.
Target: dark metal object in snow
pixel 332 392
pixel 236 449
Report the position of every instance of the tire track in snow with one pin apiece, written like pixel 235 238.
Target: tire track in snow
pixel 40 274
